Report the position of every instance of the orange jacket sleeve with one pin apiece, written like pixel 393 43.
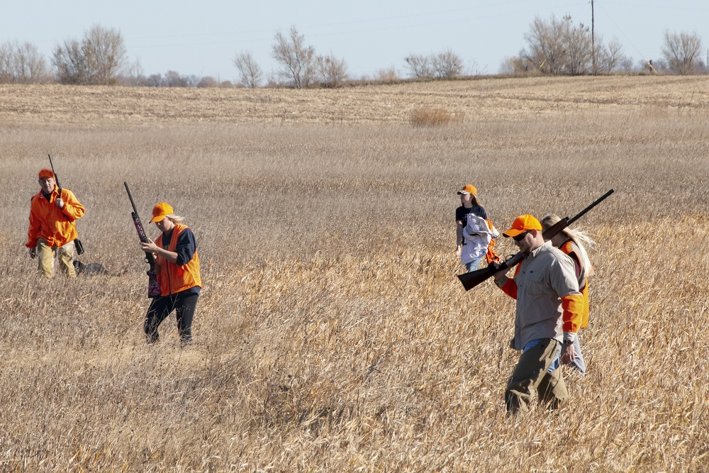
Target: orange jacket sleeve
pixel 509 287
pixel 72 207
pixel 572 306
pixel 34 227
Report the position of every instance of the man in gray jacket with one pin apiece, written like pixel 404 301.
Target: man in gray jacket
pixel 547 316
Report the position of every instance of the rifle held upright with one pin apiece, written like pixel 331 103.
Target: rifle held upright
pixel 153 285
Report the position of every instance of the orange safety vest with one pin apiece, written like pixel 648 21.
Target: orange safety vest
pixel 569 249
pixel 172 277
pixel 50 223
pixel 491 256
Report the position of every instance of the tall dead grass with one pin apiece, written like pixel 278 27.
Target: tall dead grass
pixel 332 334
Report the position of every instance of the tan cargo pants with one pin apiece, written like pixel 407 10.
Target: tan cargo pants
pixel 47 254
pixel 531 373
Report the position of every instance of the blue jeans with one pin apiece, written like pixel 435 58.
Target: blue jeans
pixel 473 265
pixel 578 363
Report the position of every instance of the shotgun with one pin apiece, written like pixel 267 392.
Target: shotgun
pixel 153 286
pixel 473 278
pixel 77 243
pixel 56 178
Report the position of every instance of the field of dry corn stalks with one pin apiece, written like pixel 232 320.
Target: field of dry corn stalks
pixel 332 334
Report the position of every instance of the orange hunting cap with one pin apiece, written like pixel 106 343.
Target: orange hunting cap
pixel 160 211
pixel 522 224
pixel 468 189
pixel 45 173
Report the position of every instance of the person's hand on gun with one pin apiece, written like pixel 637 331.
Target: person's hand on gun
pixel 500 276
pixel 60 202
pixel 149 246
pixel 33 252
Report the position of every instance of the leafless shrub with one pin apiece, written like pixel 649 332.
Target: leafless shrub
pixel 207 82
pixel 431 116
pixel 419 66
pixel 446 65
pixel 250 72
pixel 22 63
pixel 388 75
pixel 611 58
pixel 175 79
pixel 331 71
pixel 681 51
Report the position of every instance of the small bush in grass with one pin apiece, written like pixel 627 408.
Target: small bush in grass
pixel 427 116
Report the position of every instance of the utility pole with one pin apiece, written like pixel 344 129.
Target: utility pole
pixel 593 41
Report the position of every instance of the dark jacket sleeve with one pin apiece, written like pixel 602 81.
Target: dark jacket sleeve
pixel 186 246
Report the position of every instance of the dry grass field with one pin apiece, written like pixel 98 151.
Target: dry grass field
pixel 332 334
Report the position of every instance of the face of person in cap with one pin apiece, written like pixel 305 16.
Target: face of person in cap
pixel 46 181
pixel 466 194
pixel 47 184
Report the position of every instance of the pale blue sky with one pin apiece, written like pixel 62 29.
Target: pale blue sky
pixel 202 37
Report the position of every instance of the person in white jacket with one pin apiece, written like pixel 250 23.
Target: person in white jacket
pixel 476 239
pixel 473 232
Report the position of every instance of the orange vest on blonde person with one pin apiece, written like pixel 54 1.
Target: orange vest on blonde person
pixel 572 250
pixel 50 223
pixel 172 277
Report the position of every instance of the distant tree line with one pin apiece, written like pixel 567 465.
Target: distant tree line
pixel 553 47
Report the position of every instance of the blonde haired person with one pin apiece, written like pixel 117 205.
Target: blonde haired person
pixel 573 243
pixel 178 271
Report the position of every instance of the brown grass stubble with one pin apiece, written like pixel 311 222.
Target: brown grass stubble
pixel 332 334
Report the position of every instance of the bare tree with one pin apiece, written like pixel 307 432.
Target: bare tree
pixel 546 50
pixel 331 71
pixel 175 79
pixel 22 63
pixel 419 66
pixel 249 70
pixel 558 46
pixel 105 53
pixel 70 63
pixel 6 74
pixel 681 51
pixel 297 59
pixel 578 48
pixel 446 65
pixel 97 59
pixel 610 58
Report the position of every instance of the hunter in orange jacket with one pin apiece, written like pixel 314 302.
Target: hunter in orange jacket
pixel 179 275
pixel 52 226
